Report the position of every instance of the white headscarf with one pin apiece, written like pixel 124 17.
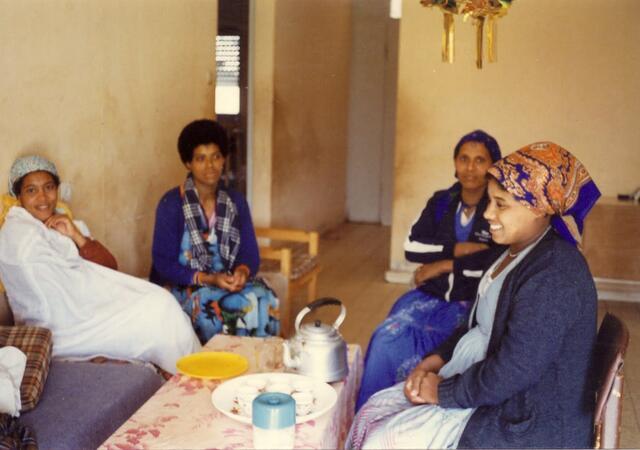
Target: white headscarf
pixel 27 164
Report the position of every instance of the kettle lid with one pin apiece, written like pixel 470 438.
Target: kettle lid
pixel 318 328
pixel 318 331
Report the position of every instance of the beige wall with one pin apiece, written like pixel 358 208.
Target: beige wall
pixel 567 71
pixel 311 47
pixel 372 100
pixel 103 89
pixel 262 29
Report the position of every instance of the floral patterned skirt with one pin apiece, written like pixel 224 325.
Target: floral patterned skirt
pixel 251 312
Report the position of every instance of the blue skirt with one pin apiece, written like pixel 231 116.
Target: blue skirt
pixel 416 325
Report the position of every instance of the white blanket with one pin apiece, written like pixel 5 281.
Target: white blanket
pixel 90 309
pixel 12 364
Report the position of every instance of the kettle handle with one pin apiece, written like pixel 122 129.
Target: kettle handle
pixel 317 304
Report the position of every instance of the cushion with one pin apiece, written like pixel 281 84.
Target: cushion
pixel 36 343
pixel 85 403
pixel 6 316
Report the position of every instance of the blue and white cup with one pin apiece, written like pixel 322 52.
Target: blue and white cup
pixel 274 421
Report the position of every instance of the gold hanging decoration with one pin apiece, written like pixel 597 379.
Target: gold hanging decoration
pixel 483 13
pixel 447 38
pixel 492 52
pixel 479 31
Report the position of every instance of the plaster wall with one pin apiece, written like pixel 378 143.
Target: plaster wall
pixel 372 99
pixel 103 89
pixel 566 72
pixel 262 23
pixel 310 112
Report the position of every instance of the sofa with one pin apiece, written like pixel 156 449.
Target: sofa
pixel 80 404
pixel 73 404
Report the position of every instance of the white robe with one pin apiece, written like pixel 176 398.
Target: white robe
pixel 91 310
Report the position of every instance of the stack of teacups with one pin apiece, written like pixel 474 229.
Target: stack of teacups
pixel 303 395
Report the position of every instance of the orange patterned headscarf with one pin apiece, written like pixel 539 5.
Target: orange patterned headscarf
pixel 548 179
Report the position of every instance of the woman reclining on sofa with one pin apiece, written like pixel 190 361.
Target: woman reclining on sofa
pixel 58 278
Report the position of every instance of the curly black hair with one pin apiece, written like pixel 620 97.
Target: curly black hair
pixel 202 132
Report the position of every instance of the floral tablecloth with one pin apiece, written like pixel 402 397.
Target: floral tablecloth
pixel 181 415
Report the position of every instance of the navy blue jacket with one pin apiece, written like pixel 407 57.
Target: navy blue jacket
pixel 535 388
pixel 169 230
pixel 433 237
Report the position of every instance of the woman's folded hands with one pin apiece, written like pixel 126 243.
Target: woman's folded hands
pixel 229 281
pixel 421 385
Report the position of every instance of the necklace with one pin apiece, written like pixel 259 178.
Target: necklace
pixel 468 210
pixel 513 255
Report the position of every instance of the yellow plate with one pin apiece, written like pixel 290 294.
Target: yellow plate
pixel 212 365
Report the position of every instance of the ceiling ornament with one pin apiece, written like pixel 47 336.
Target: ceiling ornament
pixel 483 13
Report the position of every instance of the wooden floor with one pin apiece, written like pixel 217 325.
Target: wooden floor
pixel 355 257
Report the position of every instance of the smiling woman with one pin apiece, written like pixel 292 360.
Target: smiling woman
pixel 38 194
pixel 59 278
pixel 510 222
pixel 519 374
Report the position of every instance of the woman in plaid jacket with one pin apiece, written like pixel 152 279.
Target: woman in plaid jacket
pixel 204 246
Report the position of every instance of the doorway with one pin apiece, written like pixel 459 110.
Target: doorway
pixel 231 98
pixel 372 112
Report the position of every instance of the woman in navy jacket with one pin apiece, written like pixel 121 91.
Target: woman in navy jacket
pixel 520 375
pixel 450 240
pixel 204 246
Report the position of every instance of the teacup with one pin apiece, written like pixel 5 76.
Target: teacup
pixel 303 386
pixel 258 383
pixel 285 388
pixel 245 396
pixel 304 403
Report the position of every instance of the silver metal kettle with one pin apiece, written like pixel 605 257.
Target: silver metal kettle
pixel 318 350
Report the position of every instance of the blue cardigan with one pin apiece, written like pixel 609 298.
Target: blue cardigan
pixel 169 230
pixel 535 388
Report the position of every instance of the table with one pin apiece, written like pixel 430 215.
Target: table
pixel 180 414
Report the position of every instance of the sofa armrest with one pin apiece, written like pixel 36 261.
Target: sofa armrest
pixel 6 316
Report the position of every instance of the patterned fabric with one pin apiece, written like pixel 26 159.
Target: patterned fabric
pixel 548 179
pixel 14 435
pixel 198 225
pixel 251 312
pixel 36 343
pixel 390 421
pixel 27 164
pixel 194 220
pixel 229 236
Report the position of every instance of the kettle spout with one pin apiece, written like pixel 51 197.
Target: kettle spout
pixel 289 361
